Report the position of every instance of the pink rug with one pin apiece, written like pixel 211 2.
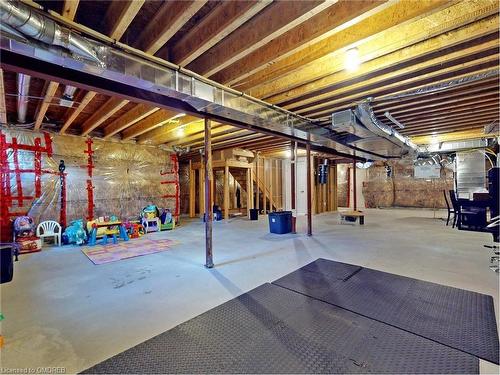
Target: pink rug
pixel 101 254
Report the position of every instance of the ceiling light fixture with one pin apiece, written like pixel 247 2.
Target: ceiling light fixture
pixel 352 60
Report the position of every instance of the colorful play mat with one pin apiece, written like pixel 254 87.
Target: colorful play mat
pixel 101 254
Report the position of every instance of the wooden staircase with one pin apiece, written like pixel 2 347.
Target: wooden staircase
pixel 240 176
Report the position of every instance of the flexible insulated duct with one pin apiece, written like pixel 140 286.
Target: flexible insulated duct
pixel 33 24
pixel 23 87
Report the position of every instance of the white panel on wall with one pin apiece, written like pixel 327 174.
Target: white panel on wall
pixel 470 172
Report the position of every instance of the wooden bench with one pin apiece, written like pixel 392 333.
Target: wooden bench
pixel 352 217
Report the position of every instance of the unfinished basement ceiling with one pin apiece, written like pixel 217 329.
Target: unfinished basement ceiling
pixel 291 54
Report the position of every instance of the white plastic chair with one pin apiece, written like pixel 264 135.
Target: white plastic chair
pixel 49 228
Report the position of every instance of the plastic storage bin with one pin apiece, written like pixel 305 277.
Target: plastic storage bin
pixel 280 222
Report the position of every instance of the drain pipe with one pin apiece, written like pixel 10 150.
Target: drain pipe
pixel 27 21
pixel 23 88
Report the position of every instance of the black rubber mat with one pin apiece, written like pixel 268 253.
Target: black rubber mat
pixel 461 319
pixel 274 330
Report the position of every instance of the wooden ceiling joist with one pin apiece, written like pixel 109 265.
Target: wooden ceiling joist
pixel 86 100
pixel 424 54
pixel 237 134
pixel 444 120
pixel 446 129
pixel 3 108
pixel 196 137
pixel 120 15
pixel 149 123
pixel 218 24
pixel 490 96
pixel 168 131
pixel 69 9
pixel 371 39
pixel 273 21
pixel 109 108
pixel 473 90
pixel 449 126
pixel 448 112
pixel 450 137
pixel 416 72
pixel 49 95
pixel 346 98
pixel 224 132
pixel 139 112
pixel 169 19
pixel 318 27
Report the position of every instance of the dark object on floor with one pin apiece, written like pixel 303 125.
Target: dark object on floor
pixel 8 252
pixel 273 330
pixel 254 214
pixel 280 222
pixel 217 213
pixel 451 210
pixel 458 318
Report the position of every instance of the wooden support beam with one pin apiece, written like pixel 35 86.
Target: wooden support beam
pixel 69 9
pixel 226 193
pixel 249 191
pixel 86 100
pixel 273 21
pixel 109 108
pixel 309 189
pixel 49 95
pixel 316 28
pixel 207 161
pixel 166 22
pixel 257 181
pixel 217 25
pixel 120 15
pixel 139 112
pixel 192 190
pixel 149 123
pixel 264 190
pixel 201 190
pixel 3 108
pixel 375 36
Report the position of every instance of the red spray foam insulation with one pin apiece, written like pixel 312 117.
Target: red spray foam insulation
pixel 6 196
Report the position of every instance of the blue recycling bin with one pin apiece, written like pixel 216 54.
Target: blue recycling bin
pixel 280 222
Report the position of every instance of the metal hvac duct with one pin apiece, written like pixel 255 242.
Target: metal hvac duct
pixel 23 87
pixel 368 134
pixel 33 24
pixel 131 73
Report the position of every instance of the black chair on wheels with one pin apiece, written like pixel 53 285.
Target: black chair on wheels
pixel 451 210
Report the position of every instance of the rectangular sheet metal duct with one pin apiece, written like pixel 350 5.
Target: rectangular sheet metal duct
pixel 116 72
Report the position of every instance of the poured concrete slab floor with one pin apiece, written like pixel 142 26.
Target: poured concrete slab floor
pixel 61 310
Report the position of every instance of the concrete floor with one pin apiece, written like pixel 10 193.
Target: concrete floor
pixel 61 310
